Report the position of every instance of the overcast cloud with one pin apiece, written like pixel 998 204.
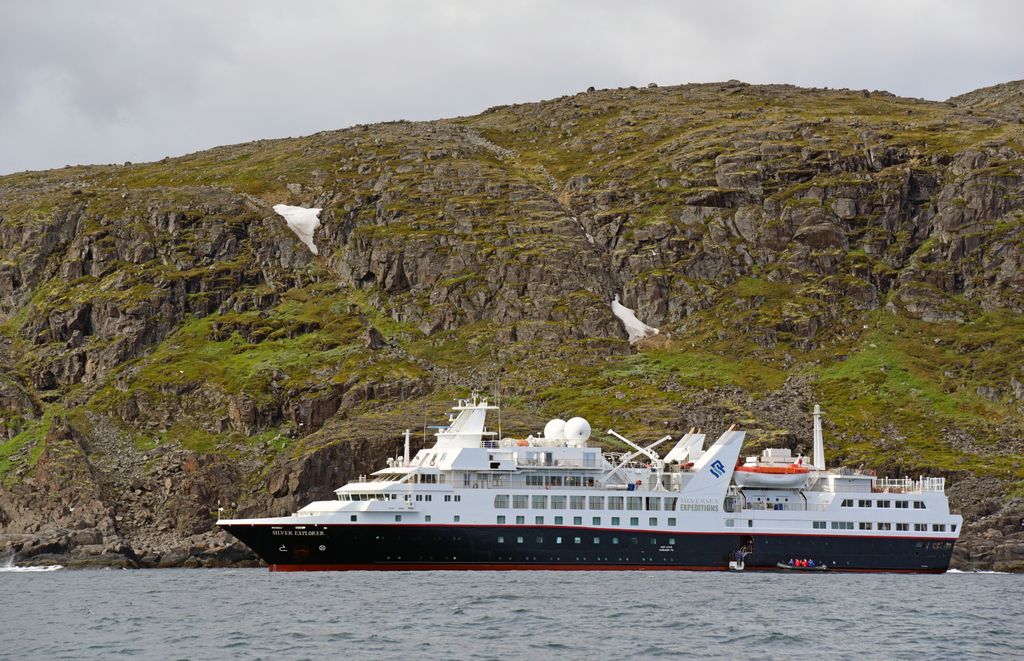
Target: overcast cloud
pixel 99 82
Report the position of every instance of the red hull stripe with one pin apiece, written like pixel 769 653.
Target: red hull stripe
pixel 555 567
pixel 742 532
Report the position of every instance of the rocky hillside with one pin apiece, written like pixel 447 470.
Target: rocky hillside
pixel 169 347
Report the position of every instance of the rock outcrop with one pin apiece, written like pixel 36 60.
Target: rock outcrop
pixel 170 352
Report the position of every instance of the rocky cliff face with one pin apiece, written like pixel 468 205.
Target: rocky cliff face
pixel 169 348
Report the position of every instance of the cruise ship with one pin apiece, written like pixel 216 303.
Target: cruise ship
pixel 476 500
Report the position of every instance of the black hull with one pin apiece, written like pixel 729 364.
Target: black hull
pixel 395 547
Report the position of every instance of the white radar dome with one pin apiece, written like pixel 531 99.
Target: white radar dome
pixel 555 429
pixel 577 429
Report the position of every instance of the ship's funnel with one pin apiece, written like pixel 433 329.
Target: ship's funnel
pixel 819 443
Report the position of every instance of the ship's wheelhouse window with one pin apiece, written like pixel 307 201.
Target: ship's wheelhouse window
pixel 903 527
pixel 885 526
pixel 539 520
pixel 534 480
pixel 558 502
pixel 671 521
pixel 938 527
pixel 634 520
pixel 847 502
pixel 920 527
pixel 818 525
pixel 558 520
pixel 883 503
pixel 615 520
pixel 539 502
pixel 653 504
pixel 596 502
pixel 520 520
pixel 615 502
pixel 634 503
pixel 670 504
pixel 653 521
pixel 519 502
pixel 428 479
pixel 596 521
pixel 865 525
pixel 576 502
pixel 501 518
pixel 863 503
pixel 501 502
pixel 577 520
pixel 919 505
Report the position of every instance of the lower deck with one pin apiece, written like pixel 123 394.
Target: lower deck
pixel 353 546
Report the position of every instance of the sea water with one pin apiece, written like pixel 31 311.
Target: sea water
pixel 253 614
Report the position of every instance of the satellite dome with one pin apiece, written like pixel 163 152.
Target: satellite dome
pixel 577 430
pixel 555 429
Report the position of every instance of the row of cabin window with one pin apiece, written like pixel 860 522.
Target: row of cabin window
pixel 594 521
pixel 671 541
pixel 868 525
pixel 900 504
pixel 559 481
pixel 636 503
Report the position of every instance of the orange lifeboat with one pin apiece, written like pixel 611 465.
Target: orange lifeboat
pixel 768 474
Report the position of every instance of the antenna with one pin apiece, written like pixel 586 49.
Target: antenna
pixel 498 387
pixel 819 443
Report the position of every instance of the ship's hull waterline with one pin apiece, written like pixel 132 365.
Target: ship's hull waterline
pixel 481 547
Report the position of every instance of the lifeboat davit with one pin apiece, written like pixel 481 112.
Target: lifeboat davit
pixel 792 476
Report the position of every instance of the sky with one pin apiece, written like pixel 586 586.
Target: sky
pixel 115 81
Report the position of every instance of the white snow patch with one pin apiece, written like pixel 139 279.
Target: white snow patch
pixel 636 329
pixel 302 221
